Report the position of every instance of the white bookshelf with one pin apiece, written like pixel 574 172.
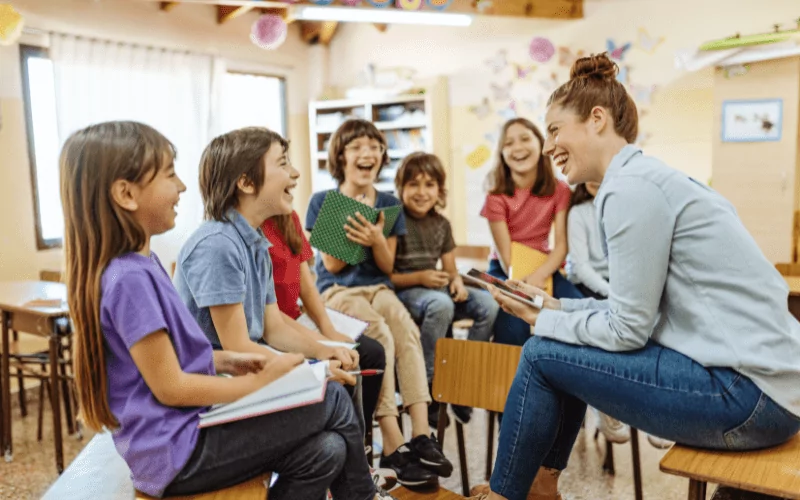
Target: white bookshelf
pixel 410 123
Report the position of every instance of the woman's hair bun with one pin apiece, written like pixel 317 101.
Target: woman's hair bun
pixel 595 66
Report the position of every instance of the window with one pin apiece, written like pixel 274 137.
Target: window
pixel 43 144
pixel 253 100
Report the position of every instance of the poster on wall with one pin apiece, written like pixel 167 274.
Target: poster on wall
pixel 752 120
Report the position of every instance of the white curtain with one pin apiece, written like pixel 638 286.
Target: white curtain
pixel 97 80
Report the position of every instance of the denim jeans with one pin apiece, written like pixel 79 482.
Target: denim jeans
pixel 654 389
pixel 311 448
pixel 434 311
pixel 511 330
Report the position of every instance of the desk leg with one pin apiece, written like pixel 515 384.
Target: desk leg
pixel 697 490
pixel 55 402
pixel 5 378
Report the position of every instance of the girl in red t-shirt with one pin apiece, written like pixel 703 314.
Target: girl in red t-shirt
pixel 525 201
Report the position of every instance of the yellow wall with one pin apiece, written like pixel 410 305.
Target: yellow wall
pixel 679 120
pixel 185 27
pixel 760 178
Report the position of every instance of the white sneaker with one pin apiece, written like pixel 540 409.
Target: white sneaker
pixel 657 442
pixel 383 478
pixel 614 430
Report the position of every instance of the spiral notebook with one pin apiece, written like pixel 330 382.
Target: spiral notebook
pixel 328 234
pixel 302 386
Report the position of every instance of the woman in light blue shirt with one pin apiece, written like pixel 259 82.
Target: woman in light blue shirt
pixel 695 342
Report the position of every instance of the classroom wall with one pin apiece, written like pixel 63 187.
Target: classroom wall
pixel 186 27
pixel 678 122
pixel 760 178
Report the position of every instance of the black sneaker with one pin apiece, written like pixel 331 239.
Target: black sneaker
pixel 429 453
pixel 462 413
pixel 410 473
pixel 433 416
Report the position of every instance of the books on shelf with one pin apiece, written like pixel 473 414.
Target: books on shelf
pixel 328 234
pixel 342 323
pixel 302 386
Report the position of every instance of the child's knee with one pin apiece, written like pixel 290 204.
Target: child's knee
pixel 440 307
pixel 331 453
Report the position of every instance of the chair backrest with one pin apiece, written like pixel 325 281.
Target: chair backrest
pixel 788 268
pixel 475 374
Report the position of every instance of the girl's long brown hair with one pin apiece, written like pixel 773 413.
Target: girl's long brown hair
pixel 286 226
pixel 499 180
pixel 580 195
pixel 96 230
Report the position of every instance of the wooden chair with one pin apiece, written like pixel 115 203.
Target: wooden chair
pixel 255 489
pixel 475 374
pixel 439 494
pixel 770 472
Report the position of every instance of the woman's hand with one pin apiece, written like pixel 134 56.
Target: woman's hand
pixel 360 230
pixel 238 363
pixel 549 302
pixel 339 375
pixel 523 311
pixel 458 291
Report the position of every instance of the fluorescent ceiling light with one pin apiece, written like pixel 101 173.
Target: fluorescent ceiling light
pixel 379 15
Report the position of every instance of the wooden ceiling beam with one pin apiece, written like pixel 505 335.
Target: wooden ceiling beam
pixel 313 32
pixel 227 12
pixel 167 6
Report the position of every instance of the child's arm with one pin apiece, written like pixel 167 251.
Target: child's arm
pixel 429 278
pixel 332 264
pixel 230 323
pixel 312 302
pixel 156 360
pixel 502 242
pixel 457 288
pixel 557 255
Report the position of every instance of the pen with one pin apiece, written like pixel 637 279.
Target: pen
pixel 365 373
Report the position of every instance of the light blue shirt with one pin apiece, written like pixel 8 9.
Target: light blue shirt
pixel 226 263
pixel 685 272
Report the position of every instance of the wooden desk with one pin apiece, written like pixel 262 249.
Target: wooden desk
pixel 774 471
pixel 49 322
pixel 794 294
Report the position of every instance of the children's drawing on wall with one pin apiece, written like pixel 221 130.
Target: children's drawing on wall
pixel 648 43
pixel 752 120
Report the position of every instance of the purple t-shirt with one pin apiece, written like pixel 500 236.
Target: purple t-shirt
pixel 138 299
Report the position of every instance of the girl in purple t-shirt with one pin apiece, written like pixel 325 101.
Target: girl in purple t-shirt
pixel 144 367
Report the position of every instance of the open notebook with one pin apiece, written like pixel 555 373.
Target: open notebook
pixel 342 323
pixel 302 386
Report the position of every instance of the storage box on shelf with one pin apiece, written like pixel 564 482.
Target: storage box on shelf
pixel 409 122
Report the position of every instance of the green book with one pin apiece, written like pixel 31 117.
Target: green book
pixel 328 234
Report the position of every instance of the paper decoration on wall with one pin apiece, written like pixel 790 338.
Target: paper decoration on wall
pixel 483 6
pixel 379 3
pixel 482 110
pixel 498 62
pixel 737 70
pixel 648 43
pixel 409 4
pixel 502 93
pixel 439 4
pixel 541 49
pixel 549 84
pixel 642 138
pixel 642 94
pixel 524 72
pixel 566 57
pixel 508 112
pixel 622 76
pixel 617 51
pixel 11 23
pixel 269 31
pixel 478 157
pixel 492 137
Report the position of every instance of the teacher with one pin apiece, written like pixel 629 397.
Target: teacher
pixel 695 342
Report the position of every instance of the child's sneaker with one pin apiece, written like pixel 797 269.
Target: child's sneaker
pixel 430 455
pixel 383 495
pixel 462 413
pixel 383 478
pixel 410 472
pixel 614 430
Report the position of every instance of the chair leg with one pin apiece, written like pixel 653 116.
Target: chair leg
pixel 697 490
pixel 490 416
pixel 23 406
pixel 65 394
pixel 368 444
pixel 637 466
pixel 442 424
pixel 608 462
pixel 462 458
pixel 43 389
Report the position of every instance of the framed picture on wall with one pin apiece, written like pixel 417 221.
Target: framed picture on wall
pixel 752 120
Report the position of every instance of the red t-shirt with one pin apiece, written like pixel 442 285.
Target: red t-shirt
pixel 286 266
pixel 528 217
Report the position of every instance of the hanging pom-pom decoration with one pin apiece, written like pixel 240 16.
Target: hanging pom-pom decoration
pixel 379 3
pixel 351 3
pixel 11 23
pixel 408 4
pixel 269 31
pixel 541 49
pixel 322 2
pixel 439 4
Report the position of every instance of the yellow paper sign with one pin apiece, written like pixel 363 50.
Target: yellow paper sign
pixel 478 157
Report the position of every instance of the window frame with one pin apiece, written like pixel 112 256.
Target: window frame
pixel 26 52
pixel 284 98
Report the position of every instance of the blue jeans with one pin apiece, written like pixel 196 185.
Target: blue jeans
pixel 655 389
pixel 434 311
pixel 509 329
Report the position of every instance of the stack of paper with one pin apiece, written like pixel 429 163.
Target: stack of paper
pixel 342 323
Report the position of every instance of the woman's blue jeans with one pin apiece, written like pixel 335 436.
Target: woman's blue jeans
pixel 654 389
